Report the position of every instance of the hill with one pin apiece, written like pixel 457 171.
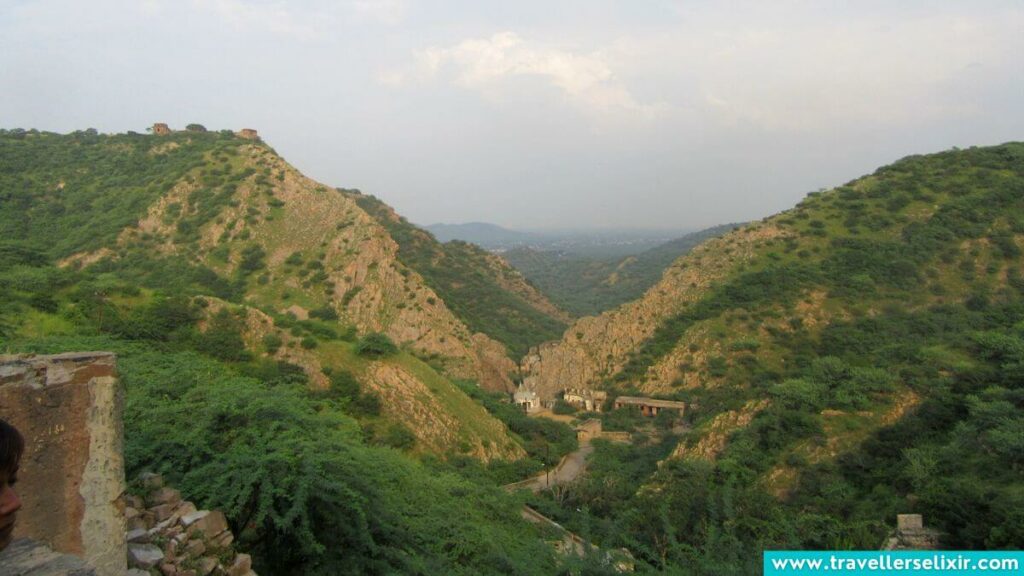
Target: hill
pixel 482 234
pixel 586 285
pixel 843 361
pixel 281 362
pixel 215 215
pixel 481 289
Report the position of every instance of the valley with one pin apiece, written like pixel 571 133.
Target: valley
pixel 344 385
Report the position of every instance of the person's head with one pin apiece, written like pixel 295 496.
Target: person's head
pixel 11 447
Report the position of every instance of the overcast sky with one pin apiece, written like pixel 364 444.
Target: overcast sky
pixel 589 113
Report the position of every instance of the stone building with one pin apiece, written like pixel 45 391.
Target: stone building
pixel 161 129
pixel 586 399
pixel 249 133
pixel 910 534
pixel 649 406
pixel 526 399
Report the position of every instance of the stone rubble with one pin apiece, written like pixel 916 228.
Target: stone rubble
pixel 168 536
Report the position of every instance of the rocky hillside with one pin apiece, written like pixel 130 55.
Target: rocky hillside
pixel 845 361
pixel 483 291
pixel 217 215
pixel 748 309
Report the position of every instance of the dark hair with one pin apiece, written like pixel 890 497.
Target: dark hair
pixel 11 447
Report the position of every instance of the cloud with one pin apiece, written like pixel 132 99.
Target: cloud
pixel 275 18
pixel 482 64
pixel 813 75
pixel 390 12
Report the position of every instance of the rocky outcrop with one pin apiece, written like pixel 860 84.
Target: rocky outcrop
pixel 322 250
pixel 170 535
pixel 595 348
pixel 714 438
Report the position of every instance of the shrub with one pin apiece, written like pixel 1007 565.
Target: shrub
pixel 376 345
pixel 272 342
pixel 324 313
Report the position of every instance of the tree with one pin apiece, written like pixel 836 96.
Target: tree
pixel 376 345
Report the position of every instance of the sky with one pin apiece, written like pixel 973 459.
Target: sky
pixel 537 115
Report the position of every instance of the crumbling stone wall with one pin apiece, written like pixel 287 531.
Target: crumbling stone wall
pixel 68 407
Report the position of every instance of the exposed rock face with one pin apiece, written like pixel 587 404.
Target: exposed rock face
pixel 362 278
pixel 173 536
pixel 595 348
pixel 714 439
pixel 68 407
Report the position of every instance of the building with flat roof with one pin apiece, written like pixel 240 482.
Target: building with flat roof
pixel 650 406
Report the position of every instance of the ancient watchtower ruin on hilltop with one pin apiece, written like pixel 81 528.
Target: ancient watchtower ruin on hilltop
pixel 161 129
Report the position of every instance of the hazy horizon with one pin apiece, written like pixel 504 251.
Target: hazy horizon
pixel 533 116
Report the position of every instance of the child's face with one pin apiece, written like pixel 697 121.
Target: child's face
pixel 9 506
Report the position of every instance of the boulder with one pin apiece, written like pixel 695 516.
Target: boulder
pixel 195 548
pixel 205 565
pixel 241 566
pixel 144 556
pixel 163 511
pixel 190 519
pixel 211 525
pixel 137 535
pixel 164 495
pixel 222 540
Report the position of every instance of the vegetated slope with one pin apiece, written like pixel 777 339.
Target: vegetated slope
pixel 226 217
pixel 482 290
pixel 588 286
pixel 845 361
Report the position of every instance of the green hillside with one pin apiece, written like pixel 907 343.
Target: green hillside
pixel 587 286
pixel 860 362
pixel 255 379
pixel 473 285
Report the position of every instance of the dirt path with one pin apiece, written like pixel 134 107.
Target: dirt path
pixel 572 465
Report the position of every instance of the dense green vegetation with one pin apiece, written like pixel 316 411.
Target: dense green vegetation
pixel 903 394
pixel 77 192
pixel 545 441
pixel 587 286
pixel 908 400
pixel 956 458
pixel 307 488
pixel 470 285
pixel 313 481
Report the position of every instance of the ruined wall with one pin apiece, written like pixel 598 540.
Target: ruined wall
pixel 68 407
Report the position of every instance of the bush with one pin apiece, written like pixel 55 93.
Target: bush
pixel 324 313
pixel 375 345
pixel 563 407
pixel 272 342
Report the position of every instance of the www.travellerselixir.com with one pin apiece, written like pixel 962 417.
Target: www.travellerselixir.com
pixel 902 562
